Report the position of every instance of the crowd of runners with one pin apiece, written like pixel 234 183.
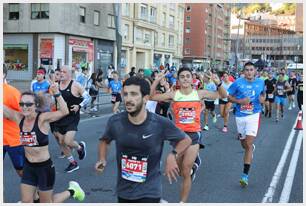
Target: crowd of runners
pixel 165 105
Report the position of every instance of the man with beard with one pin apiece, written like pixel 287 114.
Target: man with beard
pixel 187 107
pixel 140 136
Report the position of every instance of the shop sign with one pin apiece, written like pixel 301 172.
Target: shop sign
pixel 46 48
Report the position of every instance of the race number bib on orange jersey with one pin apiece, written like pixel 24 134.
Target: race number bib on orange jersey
pixel 134 168
pixel 187 115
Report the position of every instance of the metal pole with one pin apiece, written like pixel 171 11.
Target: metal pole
pixel 237 42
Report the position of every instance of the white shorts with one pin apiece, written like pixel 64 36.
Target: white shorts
pixel 248 125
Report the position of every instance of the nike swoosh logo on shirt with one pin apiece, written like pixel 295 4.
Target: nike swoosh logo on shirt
pixel 146 136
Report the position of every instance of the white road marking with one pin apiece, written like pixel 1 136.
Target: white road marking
pixel 285 195
pixel 268 197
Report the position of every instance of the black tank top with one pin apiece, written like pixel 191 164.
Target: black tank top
pixel 34 138
pixel 70 99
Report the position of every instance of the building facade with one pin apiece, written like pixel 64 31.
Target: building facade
pixel 152 34
pixel 52 35
pixel 206 35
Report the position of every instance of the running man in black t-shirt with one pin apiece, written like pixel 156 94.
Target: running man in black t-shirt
pixel 270 89
pixel 293 82
pixel 299 95
pixel 139 137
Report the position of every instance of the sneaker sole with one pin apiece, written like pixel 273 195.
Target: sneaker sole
pixel 84 144
pixel 73 169
pixel 243 183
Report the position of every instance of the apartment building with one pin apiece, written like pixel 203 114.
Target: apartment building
pixel 152 34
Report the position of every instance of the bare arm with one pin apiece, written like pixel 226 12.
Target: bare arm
pixel 204 94
pixel 11 114
pixel 239 101
pixel 102 154
pixel 154 96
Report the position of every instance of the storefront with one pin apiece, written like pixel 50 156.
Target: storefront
pixel 46 51
pixel 104 51
pixel 167 59
pixel 18 55
pixel 157 60
pixel 81 52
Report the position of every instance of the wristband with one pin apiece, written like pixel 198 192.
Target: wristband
pixel 57 95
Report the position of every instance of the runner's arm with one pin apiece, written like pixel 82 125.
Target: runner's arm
pixel 84 94
pixel 238 101
pixel 102 153
pixel 11 114
pixel 289 88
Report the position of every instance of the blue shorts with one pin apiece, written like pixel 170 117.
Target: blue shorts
pixel 280 100
pixel 16 154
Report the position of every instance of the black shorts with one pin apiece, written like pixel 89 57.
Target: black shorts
pixel 41 175
pixel 221 101
pixel 290 93
pixel 65 125
pixel 210 105
pixel 196 138
pixel 269 99
pixel 116 97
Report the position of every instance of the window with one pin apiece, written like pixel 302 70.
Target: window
pixel 164 19
pixel 187 40
pixel 40 11
pixel 111 21
pixel 163 39
pixel 126 9
pixel 143 11
pixel 16 56
pixel 153 14
pixel 187 51
pixel 82 14
pixel 188 8
pixel 96 18
pixel 171 41
pixel 14 11
pixel 147 38
pixel 155 38
pixel 171 21
pixel 188 18
pixel 138 35
pixel 188 30
pixel 126 32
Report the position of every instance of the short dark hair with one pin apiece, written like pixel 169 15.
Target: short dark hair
pixel 57 70
pixel 248 64
pixel 183 69
pixel 141 82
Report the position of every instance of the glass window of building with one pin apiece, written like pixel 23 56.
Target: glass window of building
pixel 163 39
pixel 164 20
pixel 171 21
pixel 188 8
pixel 188 18
pixel 187 51
pixel 126 9
pixel 155 38
pixel 147 38
pixel 188 30
pixel 153 12
pixel 82 14
pixel 13 11
pixel 40 11
pixel 111 21
pixel 126 31
pixel 96 18
pixel 139 35
pixel 144 11
pixel 16 56
pixel 171 41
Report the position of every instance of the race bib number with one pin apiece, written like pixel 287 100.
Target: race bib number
pixel 187 115
pixel 114 97
pixel 270 96
pixel 29 139
pixel 247 109
pixel 134 168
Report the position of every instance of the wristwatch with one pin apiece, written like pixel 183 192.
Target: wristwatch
pixel 174 152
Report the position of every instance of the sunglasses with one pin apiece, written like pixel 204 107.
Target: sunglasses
pixel 27 104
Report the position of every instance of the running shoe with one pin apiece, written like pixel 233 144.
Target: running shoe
pixel 72 167
pixel 79 193
pixel 82 152
pixel 290 108
pixel 206 127
pixel 224 129
pixel 163 201
pixel 269 114
pixel 244 181
pixel 293 105
pixel 282 115
pixel 198 160
pixel 214 119
pixel 193 171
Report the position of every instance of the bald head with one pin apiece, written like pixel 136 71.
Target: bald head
pixel 66 73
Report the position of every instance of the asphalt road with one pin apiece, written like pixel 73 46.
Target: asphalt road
pixel 217 179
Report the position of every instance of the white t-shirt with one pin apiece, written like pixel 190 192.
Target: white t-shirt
pixel 151 106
